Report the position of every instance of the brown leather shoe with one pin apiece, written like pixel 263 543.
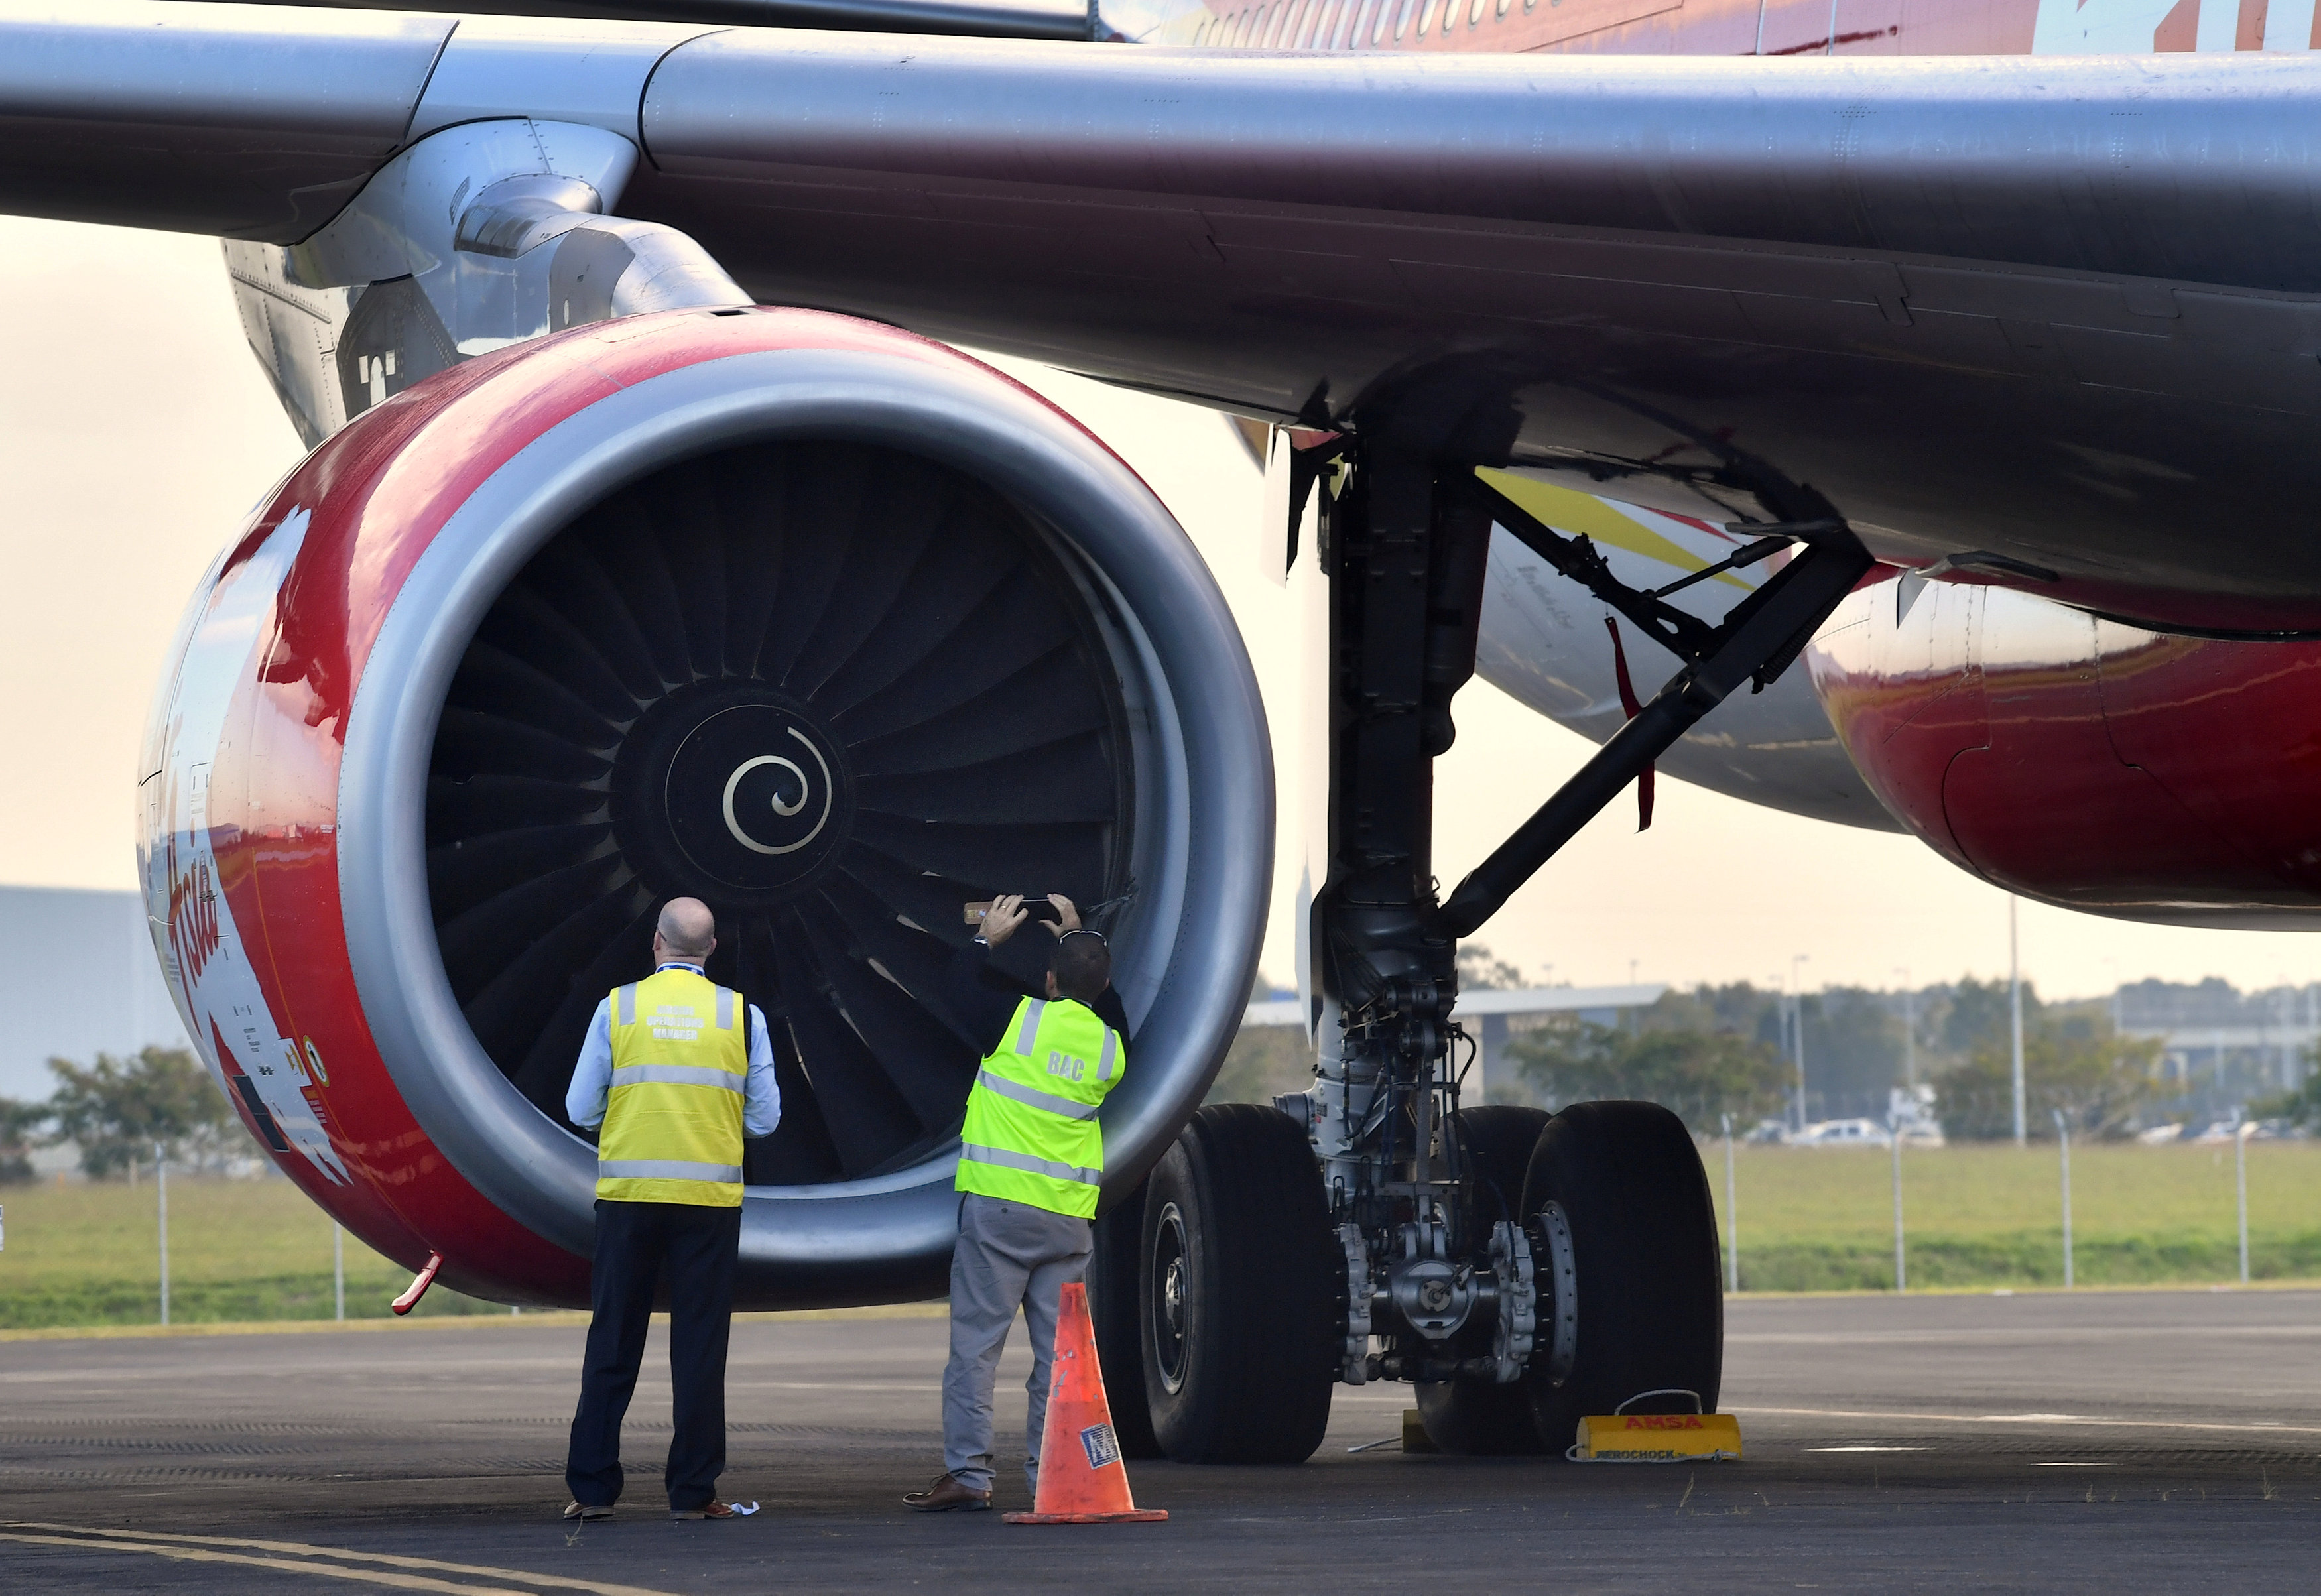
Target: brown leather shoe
pixel 712 1508
pixel 948 1495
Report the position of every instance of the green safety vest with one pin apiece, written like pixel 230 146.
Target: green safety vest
pixel 680 1077
pixel 1032 1134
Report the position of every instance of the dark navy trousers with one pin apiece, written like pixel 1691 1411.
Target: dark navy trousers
pixel 640 1246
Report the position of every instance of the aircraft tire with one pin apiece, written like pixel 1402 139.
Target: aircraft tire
pixel 1112 1277
pixel 1644 1239
pixel 1239 1305
pixel 1481 1418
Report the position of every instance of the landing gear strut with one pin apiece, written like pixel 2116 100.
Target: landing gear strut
pixel 1521 1271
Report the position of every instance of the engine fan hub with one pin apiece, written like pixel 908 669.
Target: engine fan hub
pixel 734 793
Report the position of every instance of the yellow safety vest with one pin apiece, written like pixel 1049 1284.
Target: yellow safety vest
pixel 680 1078
pixel 1032 1134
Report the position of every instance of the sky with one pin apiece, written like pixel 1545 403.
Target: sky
pixel 136 432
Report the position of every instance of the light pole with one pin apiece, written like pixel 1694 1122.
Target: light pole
pixel 162 1212
pixel 1909 1030
pixel 1798 1029
pixel 1894 1136
pixel 2064 1140
pixel 1732 1217
pixel 2015 1010
pixel 2240 1183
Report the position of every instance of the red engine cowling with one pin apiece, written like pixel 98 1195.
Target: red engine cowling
pixel 2083 762
pixel 828 625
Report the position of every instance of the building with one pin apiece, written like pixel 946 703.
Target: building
pixel 1486 1010
pixel 77 977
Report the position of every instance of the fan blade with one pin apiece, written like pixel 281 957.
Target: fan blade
pixel 1058 783
pixel 457 810
pixel 470 743
pixel 867 1118
pixel 626 538
pixel 820 522
pixel 921 1057
pixel 464 873
pixel 910 504
pixel 526 626
pixel 492 682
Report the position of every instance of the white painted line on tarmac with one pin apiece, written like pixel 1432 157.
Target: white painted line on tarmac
pixel 1869 1448
pixel 2044 1419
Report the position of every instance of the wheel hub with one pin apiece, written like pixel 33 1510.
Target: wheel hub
pixel 1171 1290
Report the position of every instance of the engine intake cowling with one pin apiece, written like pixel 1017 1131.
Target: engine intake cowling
pixel 827 625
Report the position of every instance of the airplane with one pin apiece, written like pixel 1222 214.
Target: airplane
pixel 1940 415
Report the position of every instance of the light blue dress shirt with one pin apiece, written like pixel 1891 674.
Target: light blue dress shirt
pixel 592 1077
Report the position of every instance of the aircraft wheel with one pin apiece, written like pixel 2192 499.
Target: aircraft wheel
pixel 1634 1202
pixel 1481 1418
pixel 1112 1292
pixel 1240 1304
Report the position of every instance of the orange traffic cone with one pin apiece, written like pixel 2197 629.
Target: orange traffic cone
pixel 1082 1480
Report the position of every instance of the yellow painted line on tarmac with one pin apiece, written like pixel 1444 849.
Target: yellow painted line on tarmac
pixel 2051 1420
pixel 196 1548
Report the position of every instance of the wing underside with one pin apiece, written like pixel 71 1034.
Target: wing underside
pixel 2066 311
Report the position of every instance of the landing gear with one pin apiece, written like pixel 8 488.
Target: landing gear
pixel 1521 1274
pixel 1239 1305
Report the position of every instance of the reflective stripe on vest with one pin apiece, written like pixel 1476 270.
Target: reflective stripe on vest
pixel 1035 1097
pixel 1032 1134
pixel 1000 1158
pixel 672 1129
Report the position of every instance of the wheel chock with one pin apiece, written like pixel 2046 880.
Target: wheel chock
pixel 1082 1480
pixel 1658 1438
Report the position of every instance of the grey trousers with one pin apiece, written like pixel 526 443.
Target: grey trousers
pixel 1008 1254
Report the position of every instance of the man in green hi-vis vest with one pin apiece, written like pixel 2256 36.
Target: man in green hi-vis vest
pixel 1030 1163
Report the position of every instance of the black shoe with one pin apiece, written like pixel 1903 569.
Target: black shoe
pixel 948 1495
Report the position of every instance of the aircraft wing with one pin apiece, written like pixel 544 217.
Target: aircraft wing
pixel 2057 321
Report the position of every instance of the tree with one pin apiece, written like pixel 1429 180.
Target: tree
pixel 1698 1073
pixel 2299 1107
pixel 2099 1081
pixel 1979 1016
pixel 116 1108
pixel 1265 1061
pixel 1479 972
pixel 19 1123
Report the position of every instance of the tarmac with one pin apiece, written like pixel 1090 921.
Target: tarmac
pixel 2050 1442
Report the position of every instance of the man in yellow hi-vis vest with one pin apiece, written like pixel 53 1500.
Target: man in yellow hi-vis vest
pixel 677 1071
pixel 1030 1161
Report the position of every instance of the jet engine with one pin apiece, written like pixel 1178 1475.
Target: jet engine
pixel 2091 764
pixel 825 624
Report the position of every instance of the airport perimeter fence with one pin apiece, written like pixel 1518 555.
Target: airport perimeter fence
pixel 1965 1217
pixel 2062 1214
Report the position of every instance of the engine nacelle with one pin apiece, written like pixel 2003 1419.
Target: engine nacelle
pixel 823 623
pixel 2086 763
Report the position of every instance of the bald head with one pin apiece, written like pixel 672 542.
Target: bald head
pixel 687 930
